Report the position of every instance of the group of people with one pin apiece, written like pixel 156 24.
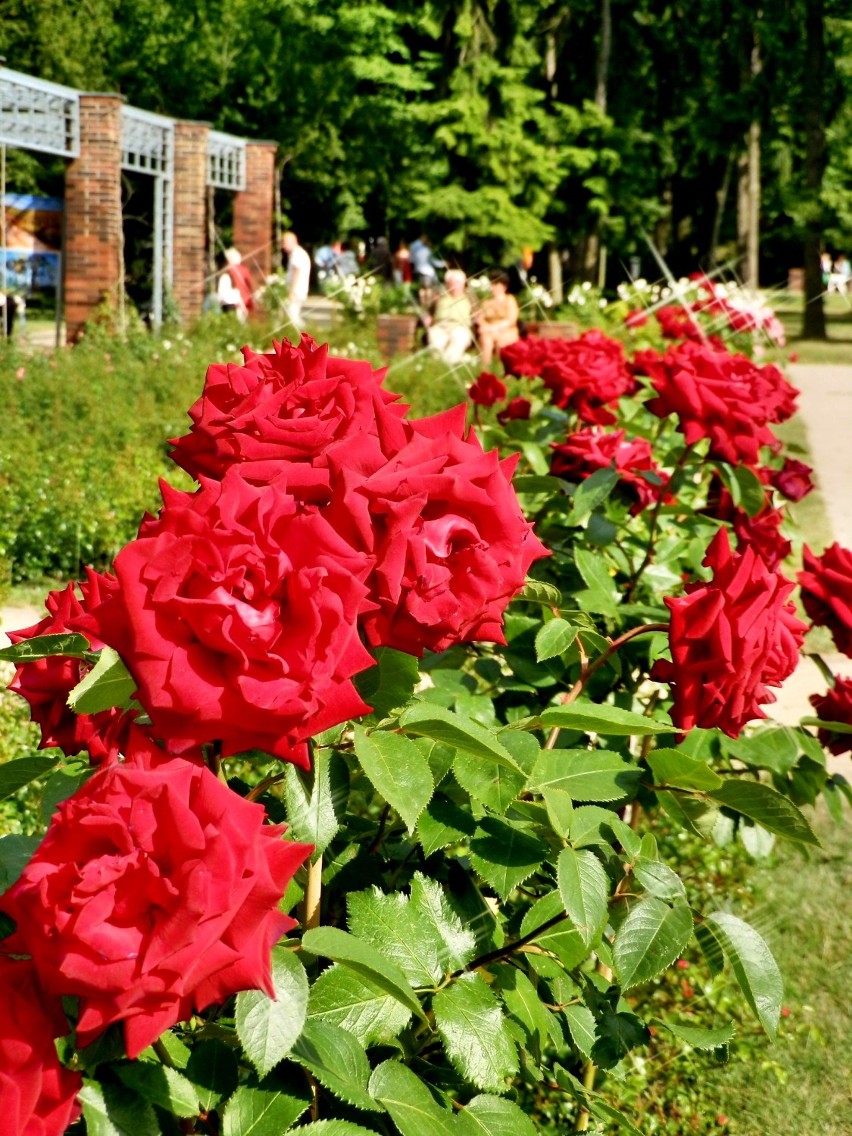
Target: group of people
pixel 235 289
pixel 456 323
pixel 837 273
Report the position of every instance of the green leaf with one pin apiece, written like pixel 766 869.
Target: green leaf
pixel 700 1038
pixel 213 1070
pixel 581 1026
pixel 695 816
pixel 618 1033
pixel 489 782
pixel 753 965
pixel 390 683
pixel 601 595
pixel 109 683
pixel 267 1109
pixel 110 1110
pixel 15 853
pixel 560 810
pixel 504 854
pixel 15 774
pixel 652 936
pixel 473 1029
pixel 68 644
pixel 338 1061
pixel 553 638
pixel 398 771
pixel 494 1116
pixel 159 1085
pixel 63 784
pixel 525 1005
pixel 457 943
pixel 658 879
pixel 767 807
pixel 676 768
pixel 601 718
pixel 536 591
pixel 443 822
pixel 316 799
pixel 562 938
pixel 586 775
pixel 591 825
pixel 591 493
pixel 775 748
pixel 603 1110
pixel 412 1107
pixel 455 730
pixel 267 1027
pixel 333 943
pixel 334 1128
pixel 752 490
pixel 347 1000
pixel 584 887
pixel 396 928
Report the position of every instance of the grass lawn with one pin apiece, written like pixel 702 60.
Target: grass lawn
pixel 836 349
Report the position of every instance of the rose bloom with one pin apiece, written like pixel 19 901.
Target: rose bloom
pixel 516 410
pixel 38 1096
pixel 826 583
pixel 487 390
pixel 835 706
pixel 154 894
pixel 730 640
pixel 588 450
pixel 761 532
pixel 46 683
pixel 237 617
pixel 793 480
pixel 288 405
pixel 443 526
pixel 718 396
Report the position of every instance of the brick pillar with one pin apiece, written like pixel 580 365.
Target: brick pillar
pixel 190 217
pixel 93 225
pixel 253 209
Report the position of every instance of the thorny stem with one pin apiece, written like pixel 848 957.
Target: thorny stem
pixel 655 517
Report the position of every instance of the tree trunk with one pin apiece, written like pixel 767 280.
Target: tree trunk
pixel 748 178
pixel 719 215
pixel 591 258
pixel 813 323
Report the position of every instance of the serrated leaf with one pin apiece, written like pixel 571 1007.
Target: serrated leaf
pixel 553 638
pixel 581 1026
pixel 15 853
pixel 266 1027
pixel 399 931
pixel 767 807
pixel 455 730
pixel 601 718
pixel 561 938
pixel 700 1038
pixel 412 1107
pixel 489 782
pixel 676 768
pixel 659 879
pixel 560 810
pixel 584 887
pixel 439 756
pixel 110 1110
pixel 753 965
pixel 336 944
pixel 504 855
pixel 68 644
pixel 458 943
pixel 601 595
pixel 524 1004
pixel 390 683
pixel 591 493
pixel 166 1088
pixel 618 1033
pixel 397 770
pixel 443 822
pixel 694 815
pixel 652 936
pixel 316 799
pixel 338 1061
pixel 586 775
pixel 473 1028
pixel 334 1128
pixel 775 748
pixel 267 1109
pixel 108 684
pixel 347 1000
pixel 213 1070
pixel 15 774
pixel 536 591
pixel 592 825
pixel 494 1116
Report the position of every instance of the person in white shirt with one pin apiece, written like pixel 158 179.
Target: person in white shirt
pixel 298 277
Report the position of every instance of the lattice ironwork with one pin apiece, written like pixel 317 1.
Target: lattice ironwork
pixel 226 161
pixel 37 115
pixel 147 141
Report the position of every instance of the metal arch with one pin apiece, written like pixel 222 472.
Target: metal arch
pixel 38 115
pixel 226 161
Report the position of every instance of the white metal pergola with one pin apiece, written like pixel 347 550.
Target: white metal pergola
pixel 42 116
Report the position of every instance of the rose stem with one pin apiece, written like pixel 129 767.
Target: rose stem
pixel 655 516
pixel 313 894
pixel 822 666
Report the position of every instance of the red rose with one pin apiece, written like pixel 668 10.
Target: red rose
pixel 443 525
pixel 237 617
pixel 835 706
pixel 636 318
pixel 487 390
pixel 827 592
pixel 730 639
pixel 793 480
pixel 289 405
pixel 679 323
pixel 38 1096
pixel 517 409
pixel 763 534
pixel 588 450
pixel 154 893
pixel 46 683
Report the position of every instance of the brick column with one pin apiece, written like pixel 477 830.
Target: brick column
pixel 190 217
pixel 253 209
pixel 93 224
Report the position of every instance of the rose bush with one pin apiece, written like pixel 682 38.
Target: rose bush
pixel 826 583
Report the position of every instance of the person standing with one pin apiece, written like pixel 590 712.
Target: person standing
pixel 298 277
